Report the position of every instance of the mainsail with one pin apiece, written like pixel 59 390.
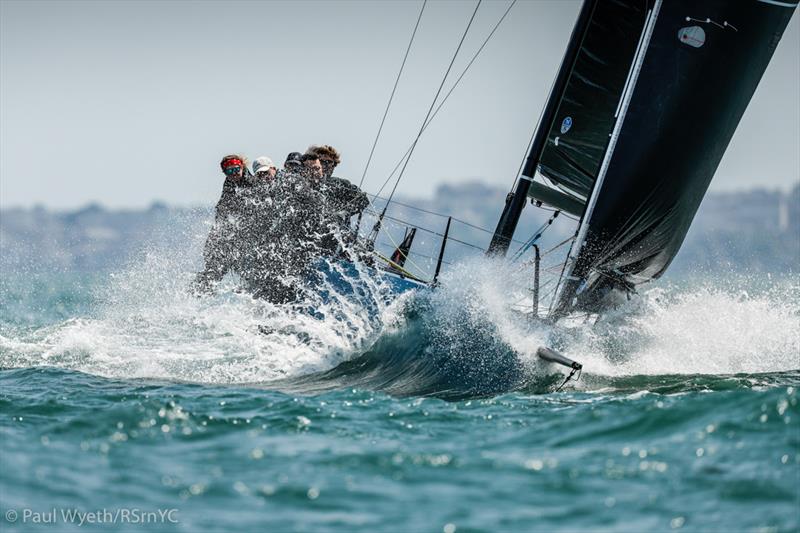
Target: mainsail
pixel 647 99
pixel 589 106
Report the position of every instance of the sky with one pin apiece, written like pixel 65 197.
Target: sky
pixel 126 103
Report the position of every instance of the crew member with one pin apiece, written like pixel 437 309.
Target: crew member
pixel 291 165
pixel 342 197
pixel 264 169
pixel 223 247
pixel 292 223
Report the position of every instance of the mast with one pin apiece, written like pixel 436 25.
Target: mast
pixel 513 208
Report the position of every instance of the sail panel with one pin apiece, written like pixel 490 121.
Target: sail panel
pixel 579 135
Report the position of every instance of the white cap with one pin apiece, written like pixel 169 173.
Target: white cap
pixel 262 163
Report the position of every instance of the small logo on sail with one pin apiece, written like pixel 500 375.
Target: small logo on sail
pixel 693 36
pixel 566 124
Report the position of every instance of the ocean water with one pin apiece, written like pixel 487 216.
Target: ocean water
pixel 128 405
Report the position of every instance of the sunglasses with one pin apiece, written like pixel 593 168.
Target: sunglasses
pixel 232 170
pixel 327 162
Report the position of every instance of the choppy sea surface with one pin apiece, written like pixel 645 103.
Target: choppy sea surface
pixel 128 404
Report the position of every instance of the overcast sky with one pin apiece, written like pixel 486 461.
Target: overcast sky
pixel 129 102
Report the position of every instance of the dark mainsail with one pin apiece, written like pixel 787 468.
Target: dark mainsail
pixel 651 101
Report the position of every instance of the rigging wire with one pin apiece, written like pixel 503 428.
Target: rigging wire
pixel 442 215
pixel 391 97
pixel 429 118
pixel 438 108
pixel 560 278
pixel 455 84
pixel 536 236
pixel 428 230
pixel 417 254
pixel 428 114
pixel 559 245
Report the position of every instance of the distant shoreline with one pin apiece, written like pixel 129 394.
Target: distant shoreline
pixel 750 231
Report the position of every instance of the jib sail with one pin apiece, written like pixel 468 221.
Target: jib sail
pixel 589 106
pixel 697 68
pixel 646 101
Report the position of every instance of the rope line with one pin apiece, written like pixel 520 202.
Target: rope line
pixel 555 292
pixel 424 256
pixel 436 112
pixel 459 220
pixel 536 236
pixel 559 245
pixel 391 97
pixel 432 232
pixel 433 103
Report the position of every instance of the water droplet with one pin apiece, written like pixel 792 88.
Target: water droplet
pixel 700 452
pixel 534 464
pixel 313 493
pixel 677 522
pixel 449 528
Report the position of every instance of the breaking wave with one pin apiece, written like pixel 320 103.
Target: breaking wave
pixel 462 339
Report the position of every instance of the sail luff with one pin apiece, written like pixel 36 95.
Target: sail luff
pixel 630 87
pixel 513 209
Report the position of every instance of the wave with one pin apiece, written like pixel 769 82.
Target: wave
pixel 462 339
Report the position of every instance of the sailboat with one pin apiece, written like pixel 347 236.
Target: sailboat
pixel 644 105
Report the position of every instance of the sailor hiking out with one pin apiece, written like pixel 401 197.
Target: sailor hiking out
pixel 271 226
